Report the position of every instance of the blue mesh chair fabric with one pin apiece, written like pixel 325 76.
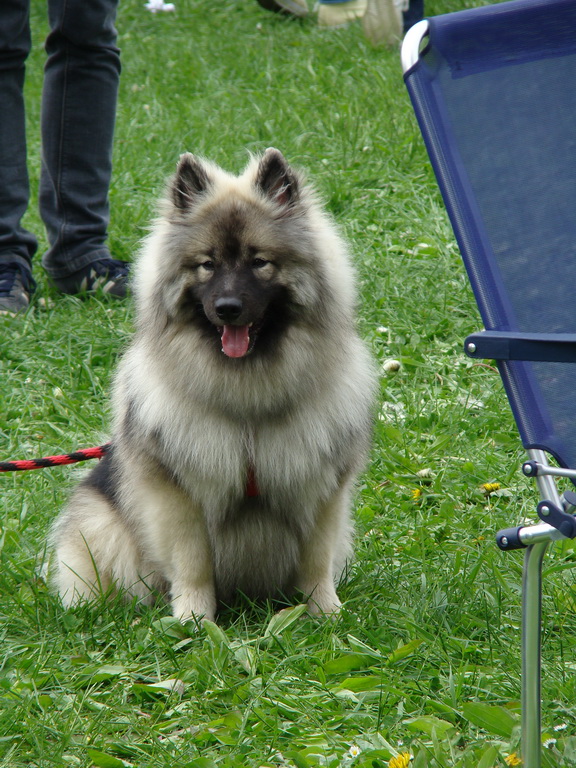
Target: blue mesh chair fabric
pixel 495 95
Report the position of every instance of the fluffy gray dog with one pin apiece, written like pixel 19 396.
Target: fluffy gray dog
pixel 243 406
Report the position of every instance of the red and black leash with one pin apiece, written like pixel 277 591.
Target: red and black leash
pixel 56 461
pixel 95 453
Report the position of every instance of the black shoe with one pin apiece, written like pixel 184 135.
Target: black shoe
pixel 108 275
pixel 291 7
pixel 16 287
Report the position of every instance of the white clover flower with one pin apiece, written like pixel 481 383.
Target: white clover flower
pixel 392 412
pixel 549 743
pixel 391 366
pixel 470 402
pixel 159 5
pixel 561 727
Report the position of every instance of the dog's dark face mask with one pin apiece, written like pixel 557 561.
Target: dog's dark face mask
pixel 240 306
pixel 237 293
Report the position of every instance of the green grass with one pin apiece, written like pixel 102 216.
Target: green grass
pixel 425 657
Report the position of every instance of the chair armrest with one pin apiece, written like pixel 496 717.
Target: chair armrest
pixel 511 345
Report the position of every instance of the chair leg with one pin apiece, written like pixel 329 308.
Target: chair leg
pixel 531 625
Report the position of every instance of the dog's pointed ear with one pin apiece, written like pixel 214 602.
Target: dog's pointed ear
pixel 190 180
pixel 276 179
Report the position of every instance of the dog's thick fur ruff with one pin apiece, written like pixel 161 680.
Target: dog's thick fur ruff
pixel 245 365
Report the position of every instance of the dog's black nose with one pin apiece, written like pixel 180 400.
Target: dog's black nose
pixel 228 309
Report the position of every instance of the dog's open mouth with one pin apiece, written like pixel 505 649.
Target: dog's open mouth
pixel 238 340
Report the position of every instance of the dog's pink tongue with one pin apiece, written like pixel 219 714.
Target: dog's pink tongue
pixel 235 340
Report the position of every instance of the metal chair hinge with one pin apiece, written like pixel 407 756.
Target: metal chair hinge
pixel 557 518
pixel 530 468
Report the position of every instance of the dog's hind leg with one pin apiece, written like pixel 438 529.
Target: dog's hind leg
pixel 92 551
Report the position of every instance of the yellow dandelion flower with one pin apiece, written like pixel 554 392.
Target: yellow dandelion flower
pixel 416 494
pixel 513 759
pixel 490 487
pixel 400 761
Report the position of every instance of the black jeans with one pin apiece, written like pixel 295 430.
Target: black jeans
pixel 78 115
pixel 414 13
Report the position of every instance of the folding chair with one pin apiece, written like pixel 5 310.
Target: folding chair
pixel 494 92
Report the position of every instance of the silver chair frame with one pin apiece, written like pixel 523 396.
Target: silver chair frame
pixel 536 539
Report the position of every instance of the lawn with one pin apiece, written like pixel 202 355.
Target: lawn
pixel 425 657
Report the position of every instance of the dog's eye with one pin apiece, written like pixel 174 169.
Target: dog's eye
pixel 259 263
pixel 208 265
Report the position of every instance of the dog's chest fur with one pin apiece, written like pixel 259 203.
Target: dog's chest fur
pixel 255 541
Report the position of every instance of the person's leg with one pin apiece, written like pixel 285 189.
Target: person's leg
pixel 382 22
pixel 16 244
pixel 78 117
pixel 414 14
pixel 338 13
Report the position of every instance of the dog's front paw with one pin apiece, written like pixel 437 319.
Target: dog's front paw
pixel 323 601
pixel 194 605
